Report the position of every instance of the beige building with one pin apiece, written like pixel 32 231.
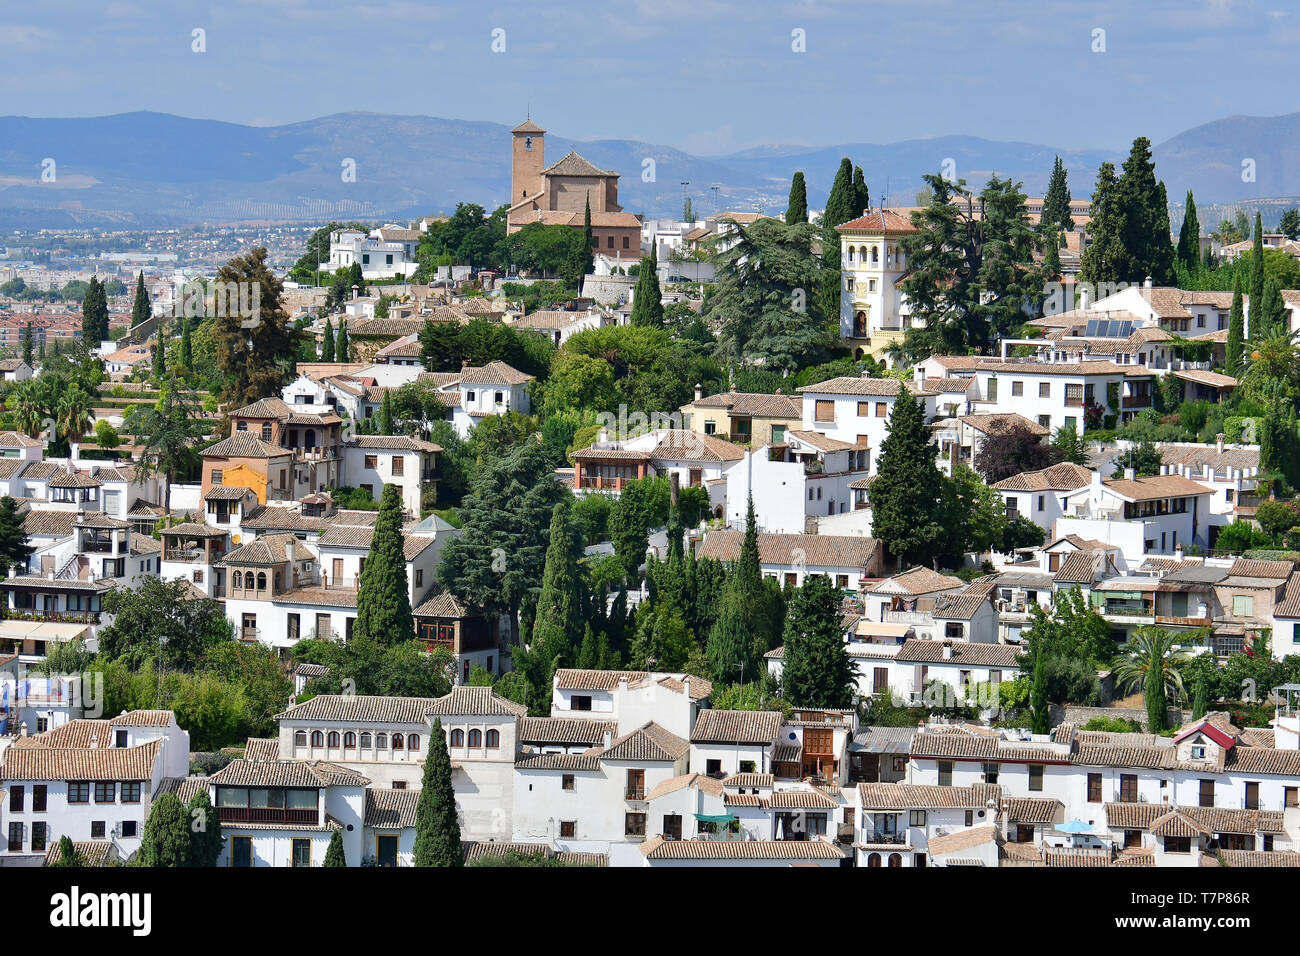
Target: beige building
pixel 747 418
pixel 557 195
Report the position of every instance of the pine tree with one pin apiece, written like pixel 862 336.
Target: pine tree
pixel 437 830
pixel 205 830
pixel 255 352
pixel 1039 714
pixel 334 854
pixel 1236 347
pixel 383 596
pixel 1256 278
pixel 141 308
pixel 647 299
pixel 342 348
pixel 796 210
pixel 558 627
pixel 907 493
pixel 817 669
pixel 1189 238
pixel 1148 246
pixel 861 196
pixel 166 838
pixel 327 343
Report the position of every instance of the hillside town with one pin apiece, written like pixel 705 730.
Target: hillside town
pixel 964 533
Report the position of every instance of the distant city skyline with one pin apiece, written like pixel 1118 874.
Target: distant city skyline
pixel 704 76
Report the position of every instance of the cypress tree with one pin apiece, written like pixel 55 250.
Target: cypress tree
pixel 587 236
pixel 166 838
pixel 383 598
pixel 205 830
pixel 342 349
pixel 1144 213
pixel 1051 256
pixel 728 649
pixel 68 854
pixel 327 343
pixel 140 307
pixel 160 353
pixel 1272 314
pixel 437 831
pixel 861 196
pixel 558 626
pixel 647 299
pixel 907 493
pixel 94 313
pixel 839 209
pixel 1236 347
pixel 386 414
pixel 27 343
pixel 1039 714
pixel 1056 203
pixel 796 210
pixel 187 346
pixel 817 670
pixel 1201 698
pixel 1189 238
pixel 1153 693
pixel 1256 277
pixel 589 653
pixel 334 856
pixel 1103 259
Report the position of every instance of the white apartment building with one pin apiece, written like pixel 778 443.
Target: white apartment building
pixel 386 252
pixel 855 411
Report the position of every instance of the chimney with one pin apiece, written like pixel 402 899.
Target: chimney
pixel 1178 553
pixel 1129 474
pixel 609 739
pixel 356 292
pixel 1146 283
pixel 1218 442
pixel 686 684
pixel 1085 297
pixel 22 729
pixel 699 391
pixel 947 650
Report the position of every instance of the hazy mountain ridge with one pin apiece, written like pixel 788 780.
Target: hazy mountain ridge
pixel 153 169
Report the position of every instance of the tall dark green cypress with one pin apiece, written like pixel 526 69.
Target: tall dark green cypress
pixel 796 209
pixel 383 598
pixel 647 299
pixel 1039 714
pixel 1256 280
pixel 558 628
pixel 342 349
pixel 1189 238
pixel 206 838
pixel 140 307
pixel 861 195
pixel 817 670
pixel 1103 260
pixel 437 830
pixel 187 345
pixel 94 313
pixel 1056 216
pixel 907 495
pixel 27 343
pixel 166 838
pixel 1236 347
pixel 1148 245
pixel 334 855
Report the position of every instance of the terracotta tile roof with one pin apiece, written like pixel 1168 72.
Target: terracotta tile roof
pixel 564 730
pixel 576 762
pixel 567 678
pixel 493 373
pixel 920 650
pixel 1033 809
pixel 749 780
pixel 960 607
pixel 355 709
pixel 74 479
pixel 1073 857
pixel 244 445
pixel 701 687
pixel 79 732
pixel 959 840
pixel 67 763
pixel 1249 568
pixel 92 852
pixel 800 800
pixel 817 550
pixel 286 773
pixel 393 443
pixel 917 580
pixel 1066 476
pixel 442 604
pixel 755 404
pixel 1199 456
pixel 1173 823
pixel 144 718
pixel 696 781
pixel 269 407
pixel 649 742
pixel 913 796
pixel 262 748
pixel 1000 422
pixel 183 787
pixel 737 726
pixel 1079 567
pixel 684 445
pixel 388 809
pixel 1156 486
pixel 573 164
pixel 384 328
pixel 226 493
pixel 819 441
pixel 466 701
pixel 266 551
pixel 850 385
pixel 1258 858
pixel 1205 377
pixel 660 849
pixel 884 221
pixel 53 524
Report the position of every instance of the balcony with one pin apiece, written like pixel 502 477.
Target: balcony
pixel 883 836
pixel 908 617
pixel 267 815
pixel 634 793
pixel 1137 401
pixel 250 634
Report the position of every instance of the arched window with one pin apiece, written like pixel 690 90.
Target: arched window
pixel 413 742
pixel 381 741
pixel 350 740
pixel 334 738
pixel 493 739
pixel 365 741
pixel 309 438
pixel 317 738
pixel 875 253
pixel 851 250
pixel 398 742
pixel 873 860
pixel 895 859
pixel 239 579
pixel 300 738
pixel 476 738
pixel 458 738
pixel 261 580
pixel 266 431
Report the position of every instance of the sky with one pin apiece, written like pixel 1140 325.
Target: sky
pixel 706 76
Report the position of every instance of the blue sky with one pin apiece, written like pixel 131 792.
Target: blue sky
pixel 703 75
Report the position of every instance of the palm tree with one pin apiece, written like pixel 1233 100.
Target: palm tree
pixel 167 432
pixel 28 406
pixel 1275 358
pixel 1148 648
pixel 75 413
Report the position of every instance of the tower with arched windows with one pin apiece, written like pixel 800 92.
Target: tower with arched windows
pixel 873 311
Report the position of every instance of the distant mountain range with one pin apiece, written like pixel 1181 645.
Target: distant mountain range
pixel 148 170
